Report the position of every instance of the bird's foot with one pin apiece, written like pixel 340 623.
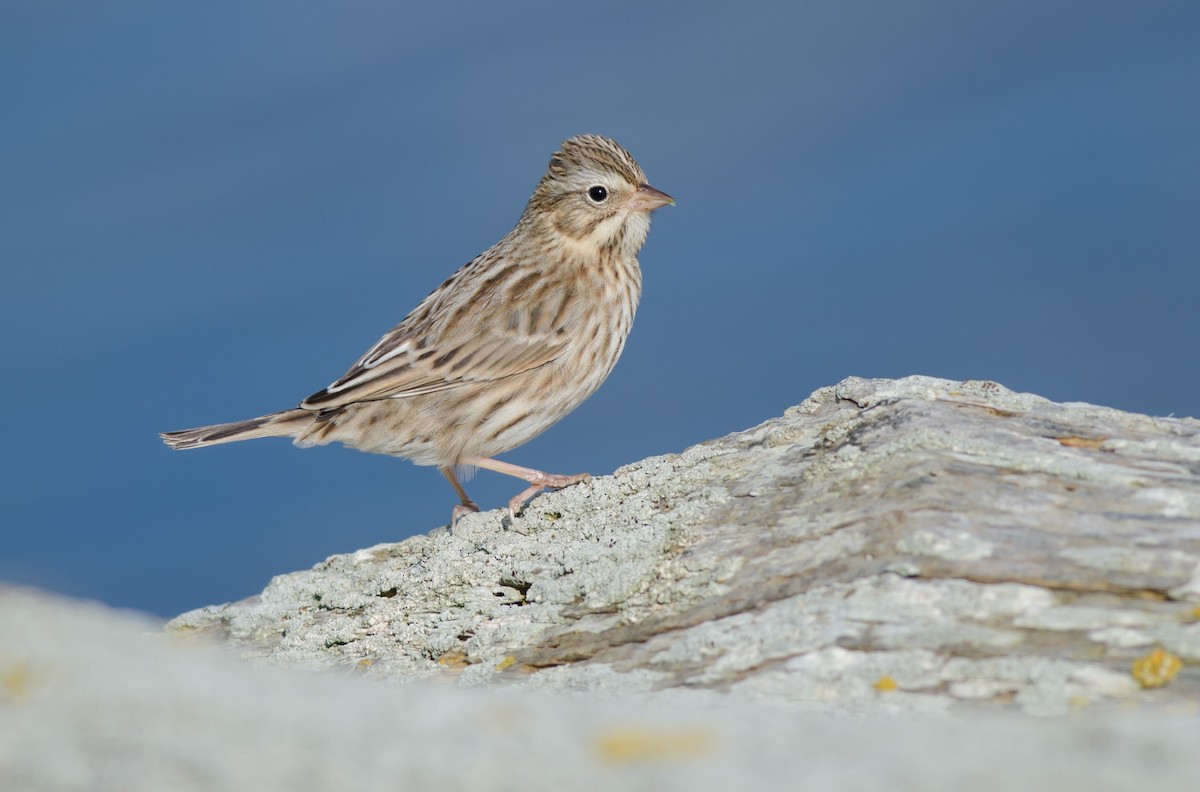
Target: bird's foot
pixel 467 507
pixel 540 482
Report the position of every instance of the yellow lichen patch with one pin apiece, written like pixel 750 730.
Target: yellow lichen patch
pixel 15 681
pixel 1196 613
pixel 629 745
pixel 1082 442
pixel 453 660
pixel 885 684
pixel 1156 669
pixel 506 663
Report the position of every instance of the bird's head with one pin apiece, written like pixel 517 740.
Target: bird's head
pixel 595 195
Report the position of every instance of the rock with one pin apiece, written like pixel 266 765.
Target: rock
pixel 954 554
pixel 908 545
pixel 94 699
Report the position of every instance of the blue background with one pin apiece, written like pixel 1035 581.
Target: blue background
pixel 209 210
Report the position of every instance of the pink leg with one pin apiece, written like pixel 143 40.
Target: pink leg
pixel 466 506
pixel 538 480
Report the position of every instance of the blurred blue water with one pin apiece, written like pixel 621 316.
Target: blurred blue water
pixel 209 210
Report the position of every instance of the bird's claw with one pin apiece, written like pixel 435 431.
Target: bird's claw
pixel 540 482
pixel 463 508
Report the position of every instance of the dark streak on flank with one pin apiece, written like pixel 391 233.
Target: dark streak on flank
pixel 519 419
pixel 568 301
pixel 503 400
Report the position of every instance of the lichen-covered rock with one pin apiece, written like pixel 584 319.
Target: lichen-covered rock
pixel 95 699
pixel 904 544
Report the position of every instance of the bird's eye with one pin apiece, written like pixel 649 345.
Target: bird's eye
pixel 598 194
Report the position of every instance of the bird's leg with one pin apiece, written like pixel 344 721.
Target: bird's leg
pixel 467 506
pixel 537 479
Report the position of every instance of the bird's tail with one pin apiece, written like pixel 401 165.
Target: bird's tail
pixel 287 423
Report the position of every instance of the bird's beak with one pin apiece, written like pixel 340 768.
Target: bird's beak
pixel 646 198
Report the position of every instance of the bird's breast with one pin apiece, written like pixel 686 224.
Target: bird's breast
pixel 608 295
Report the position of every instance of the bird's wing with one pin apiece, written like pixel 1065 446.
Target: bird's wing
pixel 492 336
pixel 414 371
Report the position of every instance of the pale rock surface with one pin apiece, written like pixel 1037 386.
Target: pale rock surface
pixel 970 543
pixel 734 616
pixel 97 700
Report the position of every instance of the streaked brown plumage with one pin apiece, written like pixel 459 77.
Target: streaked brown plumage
pixel 506 347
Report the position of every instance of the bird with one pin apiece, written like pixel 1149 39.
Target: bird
pixel 502 350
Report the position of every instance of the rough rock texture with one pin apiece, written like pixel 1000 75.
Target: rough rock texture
pixel 936 557
pixel 905 545
pixel 92 699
